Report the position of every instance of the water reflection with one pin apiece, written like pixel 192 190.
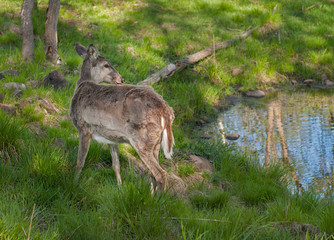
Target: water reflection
pixel 297 127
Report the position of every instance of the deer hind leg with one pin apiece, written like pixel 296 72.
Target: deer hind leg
pixel 157 172
pixel 150 159
pixel 84 140
pixel 115 162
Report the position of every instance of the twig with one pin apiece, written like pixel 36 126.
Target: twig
pixel 314 5
pixel 303 5
pixel 32 216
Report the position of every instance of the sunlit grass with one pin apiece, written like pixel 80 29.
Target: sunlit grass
pixel 242 200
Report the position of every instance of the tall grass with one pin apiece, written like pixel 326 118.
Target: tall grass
pixel 240 200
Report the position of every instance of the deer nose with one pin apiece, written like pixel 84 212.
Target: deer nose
pixel 122 80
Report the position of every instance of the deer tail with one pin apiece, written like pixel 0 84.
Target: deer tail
pixel 167 141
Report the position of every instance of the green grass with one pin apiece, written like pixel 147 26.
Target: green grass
pixel 240 200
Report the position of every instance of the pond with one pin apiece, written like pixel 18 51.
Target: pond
pixel 296 127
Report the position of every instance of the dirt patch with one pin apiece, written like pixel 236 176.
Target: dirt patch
pixel 9 109
pixel 44 106
pixel 300 229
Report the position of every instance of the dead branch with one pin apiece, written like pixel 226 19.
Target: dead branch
pixel 171 68
pixel 314 5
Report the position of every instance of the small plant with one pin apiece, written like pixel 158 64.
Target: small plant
pixel 211 200
pixel 30 115
pixel 186 169
pixel 11 131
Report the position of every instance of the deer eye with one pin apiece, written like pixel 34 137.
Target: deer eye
pixel 106 65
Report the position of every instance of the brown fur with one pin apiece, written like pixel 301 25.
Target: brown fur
pixel 119 113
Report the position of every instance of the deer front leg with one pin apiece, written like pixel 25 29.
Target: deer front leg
pixel 84 140
pixel 115 162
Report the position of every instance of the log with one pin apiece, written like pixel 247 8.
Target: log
pixel 177 65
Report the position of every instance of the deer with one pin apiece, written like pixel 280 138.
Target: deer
pixel 120 113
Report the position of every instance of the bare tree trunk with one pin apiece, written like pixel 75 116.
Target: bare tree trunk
pixel 50 35
pixel 27 30
pixel 270 131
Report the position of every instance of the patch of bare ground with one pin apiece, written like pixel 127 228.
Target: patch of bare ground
pixel 300 229
pixel 7 154
pixel 268 29
pixel 44 106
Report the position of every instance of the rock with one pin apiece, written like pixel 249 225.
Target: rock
pixel 55 79
pixel 308 82
pixel 201 163
pixel 12 28
pixel 2 97
pixel 14 85
pixel 255 94
pixel 9 109
pixel 233 136
pixel 329 83
pixel 205 136
pixel 236 72
pixel 294 82
pixel 324 77
pixel 200 122
pixel 11 73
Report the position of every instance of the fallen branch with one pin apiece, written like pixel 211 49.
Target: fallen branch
pixel 171 68
pixel 314 5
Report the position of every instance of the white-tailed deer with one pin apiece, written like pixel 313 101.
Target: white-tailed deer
pixel 114 114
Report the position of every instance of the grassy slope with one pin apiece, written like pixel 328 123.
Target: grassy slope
pixel 139 38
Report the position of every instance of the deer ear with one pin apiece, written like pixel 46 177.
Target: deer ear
pixel 81 50
pixel 92 52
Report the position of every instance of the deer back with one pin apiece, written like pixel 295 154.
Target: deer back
pixel 118 110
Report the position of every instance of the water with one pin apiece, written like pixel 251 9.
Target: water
pixel 307 119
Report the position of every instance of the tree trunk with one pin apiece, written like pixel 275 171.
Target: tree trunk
pixel 27 30
pixel 50 35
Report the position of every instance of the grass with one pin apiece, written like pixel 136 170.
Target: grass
pixel 240 200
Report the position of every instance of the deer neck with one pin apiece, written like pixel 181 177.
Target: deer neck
pixel 85 74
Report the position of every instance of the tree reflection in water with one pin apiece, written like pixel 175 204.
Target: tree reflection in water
pixel 296 127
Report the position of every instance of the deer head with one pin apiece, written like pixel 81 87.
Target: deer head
pixel 96 68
